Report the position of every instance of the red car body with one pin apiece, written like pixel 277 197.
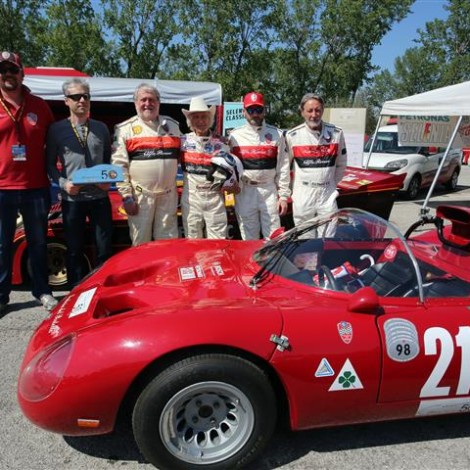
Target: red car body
pixel 379 330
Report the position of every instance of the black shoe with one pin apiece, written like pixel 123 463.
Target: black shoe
pixel 3 309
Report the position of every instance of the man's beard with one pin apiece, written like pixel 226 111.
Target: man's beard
pixel 10 84
pixel 314 125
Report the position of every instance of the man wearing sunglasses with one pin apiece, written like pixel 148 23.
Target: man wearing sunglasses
pixel 24 186
pixel 74 143
pixel 265 181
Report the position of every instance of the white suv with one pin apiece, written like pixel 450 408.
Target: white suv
pixel 419 163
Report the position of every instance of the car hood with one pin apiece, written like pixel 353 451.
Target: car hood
pixel 159 278
pixel 379 160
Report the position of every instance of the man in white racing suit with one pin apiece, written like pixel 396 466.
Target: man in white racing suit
pixel 265 182
pixel 147 147
pixel 202 204
pixel 319 156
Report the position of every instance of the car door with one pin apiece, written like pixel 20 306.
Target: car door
pixel 332 366
pixel 426 356
pixel 430 164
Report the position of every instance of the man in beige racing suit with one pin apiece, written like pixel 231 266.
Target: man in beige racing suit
pixel 147 147
pixel 265 181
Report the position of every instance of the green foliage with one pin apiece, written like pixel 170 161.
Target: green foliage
pixel 283 48
pixel 441 58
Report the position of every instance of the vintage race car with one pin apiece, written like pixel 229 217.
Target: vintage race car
pixel 210 343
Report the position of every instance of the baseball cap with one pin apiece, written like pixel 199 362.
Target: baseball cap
pixel 253 99
pixel 11 57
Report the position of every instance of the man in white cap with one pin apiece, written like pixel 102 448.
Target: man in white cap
pixel 265 182
pixel 202 204
pixel 319 156
pixel 147 146
pixel 24 185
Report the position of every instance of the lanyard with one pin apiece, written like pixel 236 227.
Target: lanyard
pixel 80 138
pixel 15 120
pixel 83 141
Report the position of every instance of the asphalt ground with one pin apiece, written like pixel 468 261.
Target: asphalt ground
pixel 431 443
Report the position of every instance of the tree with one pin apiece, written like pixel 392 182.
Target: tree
pixel 28 14
pixel 141 32
pixel 76 40
pixel 447 43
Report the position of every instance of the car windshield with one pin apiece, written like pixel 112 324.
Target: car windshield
pixel 351 248
pixel 387 142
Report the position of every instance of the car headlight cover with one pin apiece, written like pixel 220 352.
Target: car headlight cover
pixel 44 372
pixel 396 164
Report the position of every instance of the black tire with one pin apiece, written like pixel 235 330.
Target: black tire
pixel 212 411
pixel 56 264
pixel 452 183
pixel 413 187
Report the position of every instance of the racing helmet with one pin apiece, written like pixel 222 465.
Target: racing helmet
pixel 226 170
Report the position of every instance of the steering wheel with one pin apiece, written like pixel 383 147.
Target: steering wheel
pixel 325 270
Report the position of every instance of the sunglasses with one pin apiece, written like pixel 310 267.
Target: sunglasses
pixel 9 68
pixel 255 109
pixel 79 96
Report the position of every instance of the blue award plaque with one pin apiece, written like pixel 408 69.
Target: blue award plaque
pixel 98 174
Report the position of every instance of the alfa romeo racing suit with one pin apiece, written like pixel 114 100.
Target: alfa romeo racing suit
pixel 148 154
pixel 265 178
pixel 200 204
pixel 320 159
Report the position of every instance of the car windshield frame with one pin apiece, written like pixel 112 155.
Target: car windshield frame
pixel 340 229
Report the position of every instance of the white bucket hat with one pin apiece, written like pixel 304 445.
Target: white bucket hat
pixel 198 105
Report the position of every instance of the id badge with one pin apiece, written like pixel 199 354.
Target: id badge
pixel 18 152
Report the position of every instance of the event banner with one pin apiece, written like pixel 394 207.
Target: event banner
pixel 233 116
pixel 98 174
pixel 425 131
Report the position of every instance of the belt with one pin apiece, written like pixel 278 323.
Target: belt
pixel 253 182
pixel 314 184
pixel 205 187
pixel 160 192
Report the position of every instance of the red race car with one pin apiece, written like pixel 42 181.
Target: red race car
pixel 209 343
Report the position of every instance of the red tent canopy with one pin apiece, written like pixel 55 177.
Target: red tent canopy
pixel 54 71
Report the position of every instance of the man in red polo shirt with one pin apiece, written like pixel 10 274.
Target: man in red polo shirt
pixel 24 185
pixel 265 181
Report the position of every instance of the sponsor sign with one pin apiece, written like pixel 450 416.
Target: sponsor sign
pixel 233 116
pixel 425 131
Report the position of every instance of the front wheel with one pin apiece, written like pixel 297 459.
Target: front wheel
pixel 451 184
pixel 413 187
pixel 210 411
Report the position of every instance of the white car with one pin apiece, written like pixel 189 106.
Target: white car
pixel 419 163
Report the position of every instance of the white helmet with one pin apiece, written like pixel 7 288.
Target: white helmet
pixel 226 171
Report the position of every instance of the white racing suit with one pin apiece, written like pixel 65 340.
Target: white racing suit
pixel 148 154
pixel 320 161
pixel 201 206
pixel 265 178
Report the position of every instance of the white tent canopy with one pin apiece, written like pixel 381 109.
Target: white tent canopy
pixel 122 89
pixel 451 100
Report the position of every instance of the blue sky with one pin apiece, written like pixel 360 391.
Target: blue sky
pixel 402 34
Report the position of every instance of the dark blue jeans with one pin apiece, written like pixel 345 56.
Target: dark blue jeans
pixel 74 214
pixel 33 205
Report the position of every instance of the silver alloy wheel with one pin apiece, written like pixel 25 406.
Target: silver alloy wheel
pixel 206 423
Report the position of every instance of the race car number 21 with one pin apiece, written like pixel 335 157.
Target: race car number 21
pixel 436 335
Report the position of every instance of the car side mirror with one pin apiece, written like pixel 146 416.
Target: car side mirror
pixel 364 300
